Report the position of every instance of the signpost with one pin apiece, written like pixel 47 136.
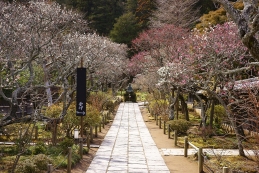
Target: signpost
pixel 81 95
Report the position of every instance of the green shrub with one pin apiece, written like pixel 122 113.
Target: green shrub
pixel 10 150
pixel 37 164
pixel 75 149
pixel 61 160
pixel 109 105
pixel 39 148
pixel 27 166
pixel 75 159
pixel 180 125
pixel 54 110
pixel 67 142
pixel 41 161
pixel 29 151
pixel 85 150
pixel 54 150
pixel 219 113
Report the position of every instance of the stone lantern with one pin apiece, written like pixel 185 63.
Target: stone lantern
pixel 130 95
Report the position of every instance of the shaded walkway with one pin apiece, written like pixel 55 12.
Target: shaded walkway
pixel 128 146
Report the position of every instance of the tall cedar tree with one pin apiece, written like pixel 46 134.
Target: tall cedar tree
pixel 125 29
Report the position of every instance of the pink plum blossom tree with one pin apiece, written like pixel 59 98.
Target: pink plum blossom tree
pixel 247 21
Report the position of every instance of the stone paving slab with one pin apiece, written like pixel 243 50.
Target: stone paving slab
pixel 128 146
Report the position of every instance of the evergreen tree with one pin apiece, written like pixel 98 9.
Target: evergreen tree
pixel 131 6
pixel 104 14
pixel 125 29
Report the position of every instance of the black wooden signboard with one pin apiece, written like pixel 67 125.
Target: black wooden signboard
pixel 81 92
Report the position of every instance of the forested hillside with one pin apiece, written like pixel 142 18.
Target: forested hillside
pixel 110 17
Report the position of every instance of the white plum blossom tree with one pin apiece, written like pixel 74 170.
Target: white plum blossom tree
pixel 41 45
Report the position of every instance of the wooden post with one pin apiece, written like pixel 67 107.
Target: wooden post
pixel 175 138
pixel 88 141
pixel 36 132
pixel 107 117
pixel 82 127
pixel 100 127
pixel 225 170
pixel 168 131
pixel 49 168
pixel 96 130
pixel 69 160
pixel 20 133
pixel 103 121
pixel 156 119
pixel 91 134
pixel 160 123
pixel 81 117
pixel 200 160
pixel 81 148
pixel 164 128
pixel 185 146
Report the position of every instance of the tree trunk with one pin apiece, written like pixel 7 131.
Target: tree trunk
pixel 184 107
pixel 48 91
pixel 16 162
pixel 240 137
pixel 172 105
pixel 203 117
pixel 171 112
pixel 54 132
pixel 46 83
pixel 113 89
pixel 212 113
pixel 177 108
pixel 233 123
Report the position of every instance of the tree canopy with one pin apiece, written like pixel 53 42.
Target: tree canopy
pixel 41 46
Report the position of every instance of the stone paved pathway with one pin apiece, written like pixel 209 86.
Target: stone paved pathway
pixel 128 146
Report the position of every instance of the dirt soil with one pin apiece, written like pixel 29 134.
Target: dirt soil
pixel 176 164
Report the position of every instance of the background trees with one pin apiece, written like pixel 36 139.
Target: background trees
pixel 41 46
pixel 31 36
pixel 187 62
pixel 180 13
pixel 101 14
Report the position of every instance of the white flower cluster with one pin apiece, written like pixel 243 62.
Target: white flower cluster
pixel 163 72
